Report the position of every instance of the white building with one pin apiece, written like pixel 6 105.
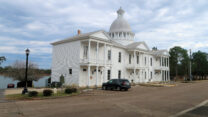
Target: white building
pixel 93 58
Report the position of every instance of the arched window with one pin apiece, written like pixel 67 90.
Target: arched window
pixel 113 35
pixel 124 34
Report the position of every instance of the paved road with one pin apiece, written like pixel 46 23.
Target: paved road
pixel 139 101
pixel 201 111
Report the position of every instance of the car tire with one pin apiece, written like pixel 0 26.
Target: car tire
pixel 118 88
pixel 104 87
pixel 126 89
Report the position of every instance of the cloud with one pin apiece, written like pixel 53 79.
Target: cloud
pixel 17 46
pixel 161 23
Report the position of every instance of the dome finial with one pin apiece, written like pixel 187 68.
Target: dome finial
pixel 120 12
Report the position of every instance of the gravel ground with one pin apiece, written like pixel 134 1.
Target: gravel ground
pixel 138 101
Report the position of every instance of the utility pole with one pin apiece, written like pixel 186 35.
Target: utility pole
pixel 190 76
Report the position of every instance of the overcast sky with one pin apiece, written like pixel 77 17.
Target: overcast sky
pixel 34 24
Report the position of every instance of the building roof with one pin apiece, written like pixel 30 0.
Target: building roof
pixel 80 37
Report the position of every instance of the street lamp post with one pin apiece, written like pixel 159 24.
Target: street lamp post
pixel 27 51
pixel 190 76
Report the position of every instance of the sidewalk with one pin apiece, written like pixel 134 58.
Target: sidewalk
pixel 2 96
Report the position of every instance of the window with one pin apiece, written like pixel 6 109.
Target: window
pixel 85 51
pixel 109 74
pixel 151 61
pixel 119 57
pixel 109 54
pixel 84 69
pixel 164 61
pixel 145 75
pixel 129 58
pixel 151 75
pixel 145 60
pixel 119 34
pixel 70 71
pixel 160 61
pixel 167 62
pixel 119 74
pixel 112 34
pixel 137 59
pixel 110 81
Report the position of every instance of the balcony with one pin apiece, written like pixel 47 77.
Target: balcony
pixel 94 62
pixel 136 66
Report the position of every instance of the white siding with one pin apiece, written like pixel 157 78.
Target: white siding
pixel 66 56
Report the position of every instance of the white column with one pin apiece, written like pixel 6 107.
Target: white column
pixel 168 63
pixel 160 61
pixel 134 66
pixel 111 62
pixel 89 47
pixel 97 64
pixel 96 76
pixel 88 76
pixel 169 75
pixel 97 53
pixel 104 62
pixel 142 62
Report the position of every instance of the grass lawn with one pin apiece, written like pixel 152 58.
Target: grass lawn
pixel 39 96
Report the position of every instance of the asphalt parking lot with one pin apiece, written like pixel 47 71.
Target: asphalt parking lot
pixel 138 101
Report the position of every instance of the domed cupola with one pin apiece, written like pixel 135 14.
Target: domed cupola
pixel 120 30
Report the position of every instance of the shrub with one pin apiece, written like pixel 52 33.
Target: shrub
pixel 70 90
pixel 33 93
pixel 47 92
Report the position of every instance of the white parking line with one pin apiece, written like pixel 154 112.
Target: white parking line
pixel 190 109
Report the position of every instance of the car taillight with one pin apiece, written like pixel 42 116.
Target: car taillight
pixel 123 83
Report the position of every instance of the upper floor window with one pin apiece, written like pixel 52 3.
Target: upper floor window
pixel 109 74
pixel 160 61
pixel 119 74
pixel 120 34
pixel 109 54
pixel 137 59
pixel 85 51
pixel 151 61
pixel 119 57
pixel 167 62
pixel 129 58
pixel 145 60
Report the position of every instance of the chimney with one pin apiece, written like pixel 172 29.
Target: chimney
pixel 78 32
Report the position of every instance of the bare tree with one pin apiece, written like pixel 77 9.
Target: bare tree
pixel 18 71
pixel 2 59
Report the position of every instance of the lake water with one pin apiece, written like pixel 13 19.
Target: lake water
pixel 4 81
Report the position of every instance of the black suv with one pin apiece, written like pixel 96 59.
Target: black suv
pixel 116 84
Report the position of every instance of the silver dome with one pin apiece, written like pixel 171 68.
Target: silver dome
pixel 120 24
